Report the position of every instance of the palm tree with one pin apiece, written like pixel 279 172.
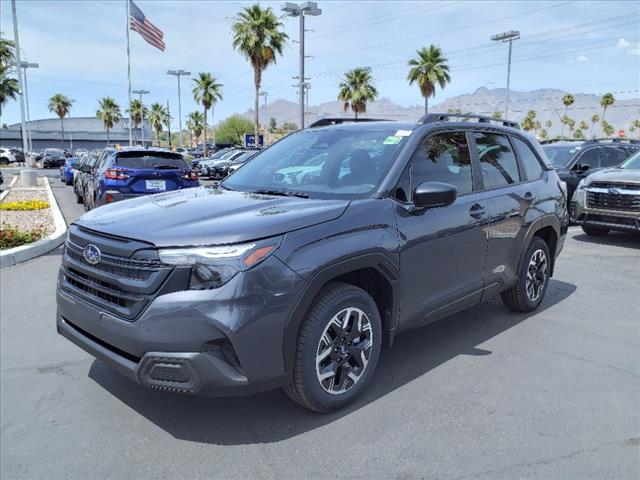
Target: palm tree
pixel 607 128
pixel 578 134
pixel 536 126
pixel 207 92
pixel 568 101
pixel 109 112
pixel 356 90
pixel 594 119
pixel 428 70
pixel 195 124
pixel 496 115
pixel 605 102
pixel 158 117
pixel 258 35
pixel 636 125
pixel 543 134
pixel 9 87
pixel 138 113
pixel 60 105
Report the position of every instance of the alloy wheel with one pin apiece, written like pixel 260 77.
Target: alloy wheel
pixel 344 350
pixel 536 275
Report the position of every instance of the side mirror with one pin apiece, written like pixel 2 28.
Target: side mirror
pixel 85 168
pixel 580 167
pixel 434 194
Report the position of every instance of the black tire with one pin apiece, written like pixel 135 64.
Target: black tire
pixel 79 198
pixel 4 161
pixel 306 388
pixel 595 231
pixel 517 298
pixel 68 182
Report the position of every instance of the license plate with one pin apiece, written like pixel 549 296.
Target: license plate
pixel 156 185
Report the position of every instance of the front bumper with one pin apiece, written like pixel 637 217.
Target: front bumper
pixel 223 342
pixel 620 220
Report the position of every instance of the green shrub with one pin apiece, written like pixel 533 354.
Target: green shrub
pixel 232 130
pixel 12 237
pixel 24 205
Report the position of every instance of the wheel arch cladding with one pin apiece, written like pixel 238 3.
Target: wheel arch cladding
pixel 373 273
pixel 550 236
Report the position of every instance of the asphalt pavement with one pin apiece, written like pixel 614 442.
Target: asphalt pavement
pixel 485 394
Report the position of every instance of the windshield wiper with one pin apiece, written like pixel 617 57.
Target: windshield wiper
pixel 282 193
pixel 165 167
pixel 225 187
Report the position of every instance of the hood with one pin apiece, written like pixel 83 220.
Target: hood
pixel 209 216
pixel 615 175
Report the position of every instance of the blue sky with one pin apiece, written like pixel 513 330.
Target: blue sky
pixel 582 47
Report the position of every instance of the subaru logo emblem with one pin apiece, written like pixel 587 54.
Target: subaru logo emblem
pixel 91 254
pixel 614 191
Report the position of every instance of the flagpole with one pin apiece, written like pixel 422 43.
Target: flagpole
pixel 129 71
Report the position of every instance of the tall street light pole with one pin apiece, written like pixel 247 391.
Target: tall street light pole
pixel 140 92
pixel 24 66
pixel 507 37
pixel 302 10
pixel 266 117
pixel 179 73
pixel 16 40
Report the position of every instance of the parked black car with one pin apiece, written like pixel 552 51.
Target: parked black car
pixel 82 178
pixel 298 281
pixel 53 158
pixel 575 159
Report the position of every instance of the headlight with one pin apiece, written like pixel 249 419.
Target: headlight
pixel 214 266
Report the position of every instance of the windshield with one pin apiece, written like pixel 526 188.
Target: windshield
pixel 632 162
pixel 53 152
pixel 558 155
pixel 156 161
pixel 338 162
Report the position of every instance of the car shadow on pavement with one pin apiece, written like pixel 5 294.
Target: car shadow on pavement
pixel 272 417
pixel 613 239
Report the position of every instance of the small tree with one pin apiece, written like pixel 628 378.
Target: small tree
pixel 289 126
pixel 497 115
pixel 594 119
pixel 577 134
pixel 543 134
pixel 233 129
pixel 272 125
pixel 636 125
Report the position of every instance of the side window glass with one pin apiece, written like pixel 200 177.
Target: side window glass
pixel 443 158
pixel 590 157
pixel 528 159
pixel 613 156
pixel 498 162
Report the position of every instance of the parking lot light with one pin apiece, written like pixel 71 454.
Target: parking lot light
pixel 179 73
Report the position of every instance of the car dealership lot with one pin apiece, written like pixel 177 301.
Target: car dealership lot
pixel 487 393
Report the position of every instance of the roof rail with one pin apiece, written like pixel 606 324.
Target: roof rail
pixel 445 117
pixel 590 140
pixel 323 122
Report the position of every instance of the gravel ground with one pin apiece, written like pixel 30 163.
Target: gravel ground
pixel 28 220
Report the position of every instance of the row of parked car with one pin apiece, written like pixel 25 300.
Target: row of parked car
pixel 223 162
pixel 114 174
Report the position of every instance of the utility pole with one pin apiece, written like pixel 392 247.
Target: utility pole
pixel 24 66
pixel 179 73
pixel 141 92
pixel 301 11
pixel 266 117
pixel 16 39
pixel 507 37
pixel 169 123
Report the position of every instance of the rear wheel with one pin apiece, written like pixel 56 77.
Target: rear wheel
pixel 338 349
pixel 4 161
pixel 533 278
pixel 595 231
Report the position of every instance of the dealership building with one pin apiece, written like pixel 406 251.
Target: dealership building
pixel 79 132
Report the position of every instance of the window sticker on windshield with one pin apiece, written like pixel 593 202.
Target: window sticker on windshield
pixel 392 140
pixel 403 133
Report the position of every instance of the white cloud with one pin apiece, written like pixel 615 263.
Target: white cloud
pixel 623 44
pixel 582 59
pixel 634 51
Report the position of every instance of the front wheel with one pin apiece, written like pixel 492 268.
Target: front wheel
pixel 595 231
pixel 337 350
pixel 533 278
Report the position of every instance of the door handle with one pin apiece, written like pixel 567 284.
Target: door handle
pixel 477 211
pixel 529 197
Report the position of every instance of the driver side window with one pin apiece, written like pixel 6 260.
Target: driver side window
pixel 590 157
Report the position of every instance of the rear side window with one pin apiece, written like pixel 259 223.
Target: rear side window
pixel 443 158
pixel 529 161
pixel 613 156
pixel 153 161
pixel 498 162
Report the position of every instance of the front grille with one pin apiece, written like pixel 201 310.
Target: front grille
pixel 614 196
pixel 120 284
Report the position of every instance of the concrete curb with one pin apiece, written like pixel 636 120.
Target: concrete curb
pixel 23 253
pixel 6 192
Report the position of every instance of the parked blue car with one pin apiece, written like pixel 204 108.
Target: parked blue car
pixel 66 171
pixel 131 172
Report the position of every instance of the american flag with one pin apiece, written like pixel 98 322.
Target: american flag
pixel 141 24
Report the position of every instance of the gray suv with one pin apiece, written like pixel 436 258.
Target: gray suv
pixel 296 270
